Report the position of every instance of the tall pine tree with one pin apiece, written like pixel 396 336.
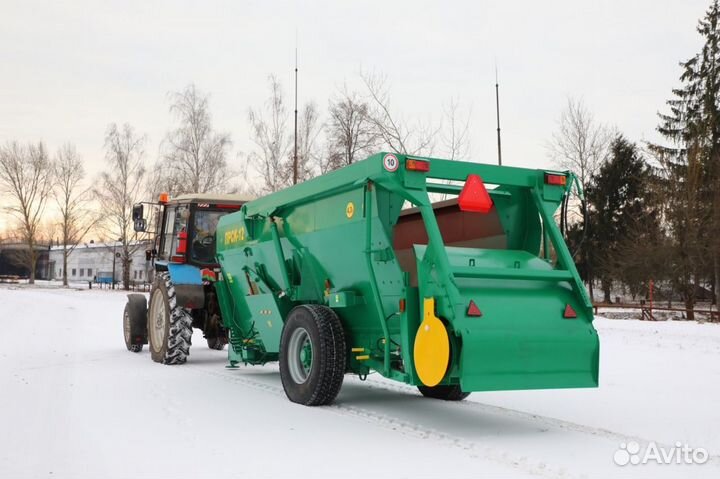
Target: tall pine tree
pixel 623 219
pixel 692 163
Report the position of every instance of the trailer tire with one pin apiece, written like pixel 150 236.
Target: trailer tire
pixel 169 325
pixel 446 393
pixel 216 343
pixel 312 355
pixel 135 322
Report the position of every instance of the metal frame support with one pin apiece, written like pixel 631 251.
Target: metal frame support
pixel 287 284
pixel 368 211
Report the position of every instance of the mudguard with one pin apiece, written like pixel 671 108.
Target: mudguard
pixel 187 280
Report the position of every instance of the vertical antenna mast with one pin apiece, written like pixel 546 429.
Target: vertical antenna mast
pixel 295 159
pixel 497 110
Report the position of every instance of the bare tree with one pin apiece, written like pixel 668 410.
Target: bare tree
pixel 19 255
pixel 244 184
pixel 159 179
pixel 194 156
pixel 455 136
pixel 269 133
pixel 350 131
pixel 73 201
pixel 398 135
pixel 309 128
pixel 26 180
pixel 120 187
pixel 580 143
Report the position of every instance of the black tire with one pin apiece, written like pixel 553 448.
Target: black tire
pixel 135 323
pixel 325 373
pixel 169 325
pixel 215 334
pixel 446 393
pixel 216 343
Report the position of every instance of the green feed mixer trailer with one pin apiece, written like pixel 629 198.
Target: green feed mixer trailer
pixel 360 271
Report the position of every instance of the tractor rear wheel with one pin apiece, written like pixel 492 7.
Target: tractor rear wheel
pixel 169 325
pixel 447 393
pixel 135 322
pixel 312 355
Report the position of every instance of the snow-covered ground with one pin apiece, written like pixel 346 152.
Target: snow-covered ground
pixel 75 403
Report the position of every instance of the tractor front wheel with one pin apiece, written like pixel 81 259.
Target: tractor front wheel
pixel 446 393
pixel 135 322
pixel 169 325
pixel 312 355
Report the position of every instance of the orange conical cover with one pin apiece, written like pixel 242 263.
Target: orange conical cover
pixel 474 197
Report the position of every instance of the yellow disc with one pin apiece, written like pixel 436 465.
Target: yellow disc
pixel 350 210
pixel 432 347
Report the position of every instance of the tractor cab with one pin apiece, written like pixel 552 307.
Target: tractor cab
pixel 186 227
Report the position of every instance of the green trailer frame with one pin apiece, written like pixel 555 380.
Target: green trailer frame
pixel 330 241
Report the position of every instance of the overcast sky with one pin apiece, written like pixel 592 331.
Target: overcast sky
pixel 68 69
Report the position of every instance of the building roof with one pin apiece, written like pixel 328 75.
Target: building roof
pixel 117 244
pixel 210 198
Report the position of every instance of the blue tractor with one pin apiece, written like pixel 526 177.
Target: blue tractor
pixel 182 295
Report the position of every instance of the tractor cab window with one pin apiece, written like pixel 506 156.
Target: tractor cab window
pixel 175 220
pixel 202 249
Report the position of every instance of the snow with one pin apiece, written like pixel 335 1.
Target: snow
pixel 75 404
pixel 659 314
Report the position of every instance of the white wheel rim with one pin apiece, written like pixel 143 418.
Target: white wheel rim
pixel 126 327
pixel 158 317
pixel 299 365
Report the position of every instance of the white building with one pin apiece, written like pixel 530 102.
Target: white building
pixel 94 262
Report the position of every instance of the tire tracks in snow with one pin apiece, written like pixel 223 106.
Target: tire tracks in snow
pixel 514 413
pixel 473 448
pixel 539 419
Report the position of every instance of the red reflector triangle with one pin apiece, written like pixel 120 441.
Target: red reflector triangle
pixel 474 197
pixel 473 310
pixel 569 312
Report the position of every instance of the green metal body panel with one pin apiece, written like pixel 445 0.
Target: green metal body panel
pixel 336 240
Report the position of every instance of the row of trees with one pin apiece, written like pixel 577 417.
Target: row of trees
pixel 37 186
pixel 358 124
pixel 647 212
pixel 614 226
pixel 195 157
pixel 651 212
pixel 690 165
pixel 31 179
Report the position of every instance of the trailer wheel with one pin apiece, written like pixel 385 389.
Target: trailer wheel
pixel 169 325
pixel 446 393
pixel 216 343
pixel 135 322
pixel 312 355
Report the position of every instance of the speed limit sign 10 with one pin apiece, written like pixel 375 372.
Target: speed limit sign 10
pixel 390 162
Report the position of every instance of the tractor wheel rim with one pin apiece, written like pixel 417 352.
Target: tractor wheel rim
pixel 157 321
pixel 300 355
pixel 126 327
